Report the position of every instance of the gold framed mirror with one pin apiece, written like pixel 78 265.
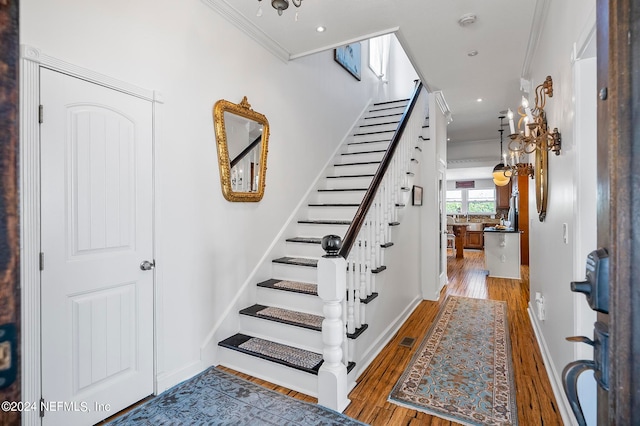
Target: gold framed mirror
pixel 242 138
pixel 542 182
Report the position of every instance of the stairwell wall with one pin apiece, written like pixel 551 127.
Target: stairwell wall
pixel 206 247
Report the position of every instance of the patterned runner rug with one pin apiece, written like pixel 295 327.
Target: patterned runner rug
pixel 462 370
pixel 215 397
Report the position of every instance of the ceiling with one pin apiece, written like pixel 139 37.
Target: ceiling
pixel 503 34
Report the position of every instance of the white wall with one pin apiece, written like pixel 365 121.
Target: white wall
pixel 433 242
pixel 401 74
pixel 206 246
pixel 553 263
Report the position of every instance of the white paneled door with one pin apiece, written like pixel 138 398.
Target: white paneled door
pixel 97 302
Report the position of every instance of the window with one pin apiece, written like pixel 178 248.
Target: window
pixel 481 201
pixel 379 55
pixel 454 202
pixel 471 201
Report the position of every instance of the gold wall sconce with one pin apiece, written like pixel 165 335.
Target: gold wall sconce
pixel 535 134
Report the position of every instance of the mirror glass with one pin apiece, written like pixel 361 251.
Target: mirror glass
pixel 542 182
pixel 242 136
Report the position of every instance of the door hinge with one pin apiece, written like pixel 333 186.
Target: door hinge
pixel 41 261
pixel 40 114
pixel 41 407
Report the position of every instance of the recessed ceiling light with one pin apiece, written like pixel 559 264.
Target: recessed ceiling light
pixel 448 139
pixel 467 19
pixel 479 100
pixel 321 29
pixel 472 53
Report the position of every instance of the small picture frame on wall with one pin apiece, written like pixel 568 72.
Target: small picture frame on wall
pixel 349 56
pixel 416 195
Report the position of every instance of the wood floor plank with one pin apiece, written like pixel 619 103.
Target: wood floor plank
pixel 467 277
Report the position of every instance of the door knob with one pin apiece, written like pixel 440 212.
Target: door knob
pixel 147 266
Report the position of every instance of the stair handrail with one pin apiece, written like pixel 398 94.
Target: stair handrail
pixel 367 201
pixel 246 151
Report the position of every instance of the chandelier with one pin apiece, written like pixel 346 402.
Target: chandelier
pixel 535 134
pixel 279 5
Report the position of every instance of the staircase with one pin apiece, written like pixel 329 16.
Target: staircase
pixel 280 337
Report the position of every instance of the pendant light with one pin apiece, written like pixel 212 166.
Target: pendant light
pixel 501 173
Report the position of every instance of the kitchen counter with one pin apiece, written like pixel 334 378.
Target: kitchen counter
pixel 502 253
pixel 508 230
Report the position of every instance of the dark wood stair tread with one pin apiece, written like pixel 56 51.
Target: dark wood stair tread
pixel 297 261
pixel 318 240
pixel 357 163
pixel 272 284
pixel 349 176
pixel 305 240
pixel 334 204
pixel 342 189
pixel 376 151
pixel 374 133
pixel 376 141
pixel 234 342
pixel 325 222
pixel 391 102
pixel 254 311
pixel 305 288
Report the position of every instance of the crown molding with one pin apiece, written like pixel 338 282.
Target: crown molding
pixel 236 18
pixel 472 160
pixel 540 12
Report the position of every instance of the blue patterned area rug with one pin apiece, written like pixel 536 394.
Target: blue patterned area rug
pixel 215 397
pixel 462 370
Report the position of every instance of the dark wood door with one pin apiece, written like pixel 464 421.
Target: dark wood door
pixel 9 210
pixel 619 201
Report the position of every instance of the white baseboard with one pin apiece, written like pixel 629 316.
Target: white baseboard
pixel 385 337
pixel 554 377
pixel 165 381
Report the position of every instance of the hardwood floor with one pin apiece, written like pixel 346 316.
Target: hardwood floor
pixel 534 398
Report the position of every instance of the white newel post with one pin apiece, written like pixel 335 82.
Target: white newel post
pixel 332 277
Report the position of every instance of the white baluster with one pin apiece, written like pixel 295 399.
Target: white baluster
pixel 358 280
pixel 345 342
pixel 351 321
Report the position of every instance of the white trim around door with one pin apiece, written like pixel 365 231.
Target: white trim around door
pixel 31 61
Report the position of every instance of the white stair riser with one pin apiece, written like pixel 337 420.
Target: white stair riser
pixel 304 249
pixel 304 274
pixel 369 146
pixel 289 299
pixel 331 213
pixel 321 229
pixel 380 119
pixel 392 108
pixel 385 125
pixel 359 169
pixel 346 182
pixel 360 157
pixel 291 378
pixel 299 337
pixel 324 197
pixel 372 137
